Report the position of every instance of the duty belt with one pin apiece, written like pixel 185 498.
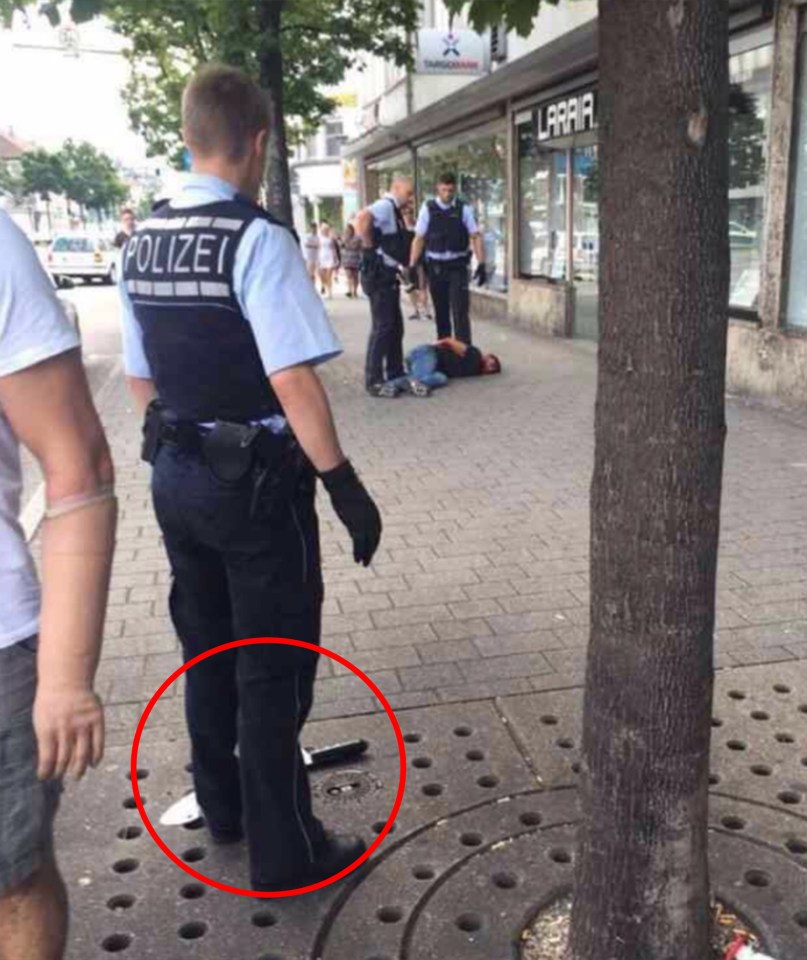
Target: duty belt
pixel 230 450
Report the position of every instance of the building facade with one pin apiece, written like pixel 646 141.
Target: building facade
pixel 324 187
pixel 522 136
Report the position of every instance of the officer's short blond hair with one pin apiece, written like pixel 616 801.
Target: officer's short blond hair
pixel 222 109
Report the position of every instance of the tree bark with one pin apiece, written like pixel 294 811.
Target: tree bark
pixel 642 882
pixel 278 175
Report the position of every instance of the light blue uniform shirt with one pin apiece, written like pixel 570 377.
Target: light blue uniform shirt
pixel 383 212
pixel 422 226
pixel 271 285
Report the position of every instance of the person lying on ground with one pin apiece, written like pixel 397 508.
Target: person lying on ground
pixel 433 365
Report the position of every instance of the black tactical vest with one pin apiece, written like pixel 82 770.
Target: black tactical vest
pixel 396 245
pixel 447 232
pixel 178 269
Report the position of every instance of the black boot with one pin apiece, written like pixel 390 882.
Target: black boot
pixel 331 855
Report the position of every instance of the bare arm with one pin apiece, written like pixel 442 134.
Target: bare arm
pixel 50 410
pixel 418 246
pixel 364 228
pixel 306 406
pixel 478 247
pixel 455 346
pixel 142 391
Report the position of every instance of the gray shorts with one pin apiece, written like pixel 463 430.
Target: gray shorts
pixel 27 805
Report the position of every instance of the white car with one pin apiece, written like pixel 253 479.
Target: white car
pixel 79 257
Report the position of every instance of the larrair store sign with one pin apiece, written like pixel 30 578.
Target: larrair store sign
pixel 453 52
pixel 567 117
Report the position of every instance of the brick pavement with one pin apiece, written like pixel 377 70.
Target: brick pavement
pixel 481 583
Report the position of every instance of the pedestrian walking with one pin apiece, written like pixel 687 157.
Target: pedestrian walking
pixel 311 251
pixel 446 229
pixel 329 258
pixel 434 364
pixel 351 259
pixel 417 289
pixel 222 331
pixel 51 721
pixel 385 259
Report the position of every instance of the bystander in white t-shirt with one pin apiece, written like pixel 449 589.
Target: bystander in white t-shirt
pixel 33 327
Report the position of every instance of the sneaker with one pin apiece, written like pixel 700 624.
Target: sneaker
pixel 387 390
pixel 332 854
pixel 417 388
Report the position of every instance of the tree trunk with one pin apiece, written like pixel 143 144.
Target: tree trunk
pixel 47 214
pixel 642 882
pixel 278 176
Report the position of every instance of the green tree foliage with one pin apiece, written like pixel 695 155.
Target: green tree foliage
pixel 293 48
pixel 516 15
pixel 90 178
pixel 42 173
pixel 320 40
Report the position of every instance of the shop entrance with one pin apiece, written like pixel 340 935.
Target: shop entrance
pixel 559 236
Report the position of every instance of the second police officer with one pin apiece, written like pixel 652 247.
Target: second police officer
pixel 446 228
pixel 385 262
pixel 222 330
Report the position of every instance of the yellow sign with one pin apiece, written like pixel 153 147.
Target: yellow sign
pixel 346 99
pixel 350 174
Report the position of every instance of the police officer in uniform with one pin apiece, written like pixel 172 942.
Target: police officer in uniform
pixel 446 228
pixel 385 261
pixel 222 329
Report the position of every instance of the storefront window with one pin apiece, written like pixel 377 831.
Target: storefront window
pixel 542 187
pixel 749 106
pixel 479 161
pixel 797 284
pixel 381 172
pixel 586 248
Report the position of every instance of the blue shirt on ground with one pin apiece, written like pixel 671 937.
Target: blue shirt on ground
pixel 422 226
pixel 271 284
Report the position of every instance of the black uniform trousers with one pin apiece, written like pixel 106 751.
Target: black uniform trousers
pixel 385 360
pixel 448 285
pixel 236 576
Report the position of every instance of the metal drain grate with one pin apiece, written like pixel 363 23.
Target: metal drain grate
pixel 480 844
pixel 150 909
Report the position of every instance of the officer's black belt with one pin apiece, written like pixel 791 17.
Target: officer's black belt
pixel 185 435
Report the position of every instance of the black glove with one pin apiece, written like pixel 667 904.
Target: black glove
pixel 409 278
pixel 355 508
pixel 481 274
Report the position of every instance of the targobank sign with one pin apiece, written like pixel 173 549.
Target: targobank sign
pixel 454 52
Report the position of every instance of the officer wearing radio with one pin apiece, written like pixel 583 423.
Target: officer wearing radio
pixel 447 231
pixel 222 332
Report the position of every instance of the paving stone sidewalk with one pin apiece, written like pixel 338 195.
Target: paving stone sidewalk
pixel 472 621
pixel 480 587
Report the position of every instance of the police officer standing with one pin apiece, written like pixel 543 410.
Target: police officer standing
pixel 385 260
pixel 222 330
pixel 446 227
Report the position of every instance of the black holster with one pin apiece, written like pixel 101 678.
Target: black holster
pixel 152 426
